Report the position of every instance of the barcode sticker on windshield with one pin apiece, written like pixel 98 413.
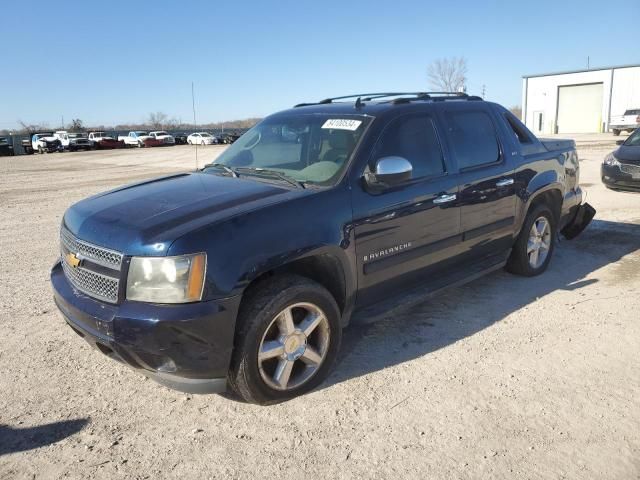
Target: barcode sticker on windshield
pixel 342 124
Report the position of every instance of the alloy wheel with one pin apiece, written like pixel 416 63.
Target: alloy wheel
pixel 539 242
pixel 294 346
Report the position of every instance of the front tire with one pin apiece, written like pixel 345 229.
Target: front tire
pixel 616 132
pixel 533 249
pixel 287 339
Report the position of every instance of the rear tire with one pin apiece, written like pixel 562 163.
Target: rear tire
pixel 532 251
pixel 299 321
pixel 616 132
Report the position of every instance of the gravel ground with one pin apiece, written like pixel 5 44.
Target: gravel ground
pixel 505 377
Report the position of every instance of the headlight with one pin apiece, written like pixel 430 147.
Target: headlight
pixel 167 279
pixel 611 160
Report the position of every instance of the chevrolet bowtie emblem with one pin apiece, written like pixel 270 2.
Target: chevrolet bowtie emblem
pixel 72 259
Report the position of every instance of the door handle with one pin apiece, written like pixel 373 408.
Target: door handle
pixel 444 198
pixel 504 182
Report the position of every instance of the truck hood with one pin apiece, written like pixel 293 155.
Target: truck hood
pixel 146 218
pixel 628 153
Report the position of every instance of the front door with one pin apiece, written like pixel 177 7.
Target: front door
pixel 407 233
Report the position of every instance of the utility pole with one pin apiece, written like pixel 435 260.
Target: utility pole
pixel 587 62
pixel 484 91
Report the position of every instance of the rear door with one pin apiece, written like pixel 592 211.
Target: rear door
pixel 406 234
pixel 487 188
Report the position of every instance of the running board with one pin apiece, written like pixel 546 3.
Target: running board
pixel 415 296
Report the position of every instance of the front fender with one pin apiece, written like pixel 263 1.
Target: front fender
pixel 242 248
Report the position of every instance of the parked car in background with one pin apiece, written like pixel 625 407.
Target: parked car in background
pixel 242 275
pixel 140 138
pixel 621 168
pixel 201 138
pixel 103 141
pixel 629 121
pixel 6 147
pixel 163 137
pixel 181 138
pixel 225 138
pixel 73 142
pixel 27 146
pixel 46 143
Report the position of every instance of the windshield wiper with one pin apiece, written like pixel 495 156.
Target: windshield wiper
pixel 273 173
pixel 227 169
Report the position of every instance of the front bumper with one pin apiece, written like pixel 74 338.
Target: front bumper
pixel 616 179
pixel 186 347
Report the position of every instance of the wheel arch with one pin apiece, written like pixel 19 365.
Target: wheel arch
pixel 324 267
pixel 550 195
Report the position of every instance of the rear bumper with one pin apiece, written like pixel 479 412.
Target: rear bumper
pixel 615 179
pixel 624 127
pixel 576 216
pixel 185 347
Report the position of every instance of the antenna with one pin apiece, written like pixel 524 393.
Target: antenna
pixel 195 125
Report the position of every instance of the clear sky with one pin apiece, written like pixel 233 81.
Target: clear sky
pixel 115 61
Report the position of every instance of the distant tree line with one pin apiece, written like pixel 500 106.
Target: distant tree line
pixel 155 121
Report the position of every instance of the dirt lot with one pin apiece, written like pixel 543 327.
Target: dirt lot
pixel 505 377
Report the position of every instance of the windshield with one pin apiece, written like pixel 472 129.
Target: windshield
pixel 307 148
pixel 632 112
pixel 77 135
pixel 205 135
pixel 141 133
pixel 161 133
pixel 634 139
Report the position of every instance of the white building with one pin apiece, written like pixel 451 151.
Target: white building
pixel 580 101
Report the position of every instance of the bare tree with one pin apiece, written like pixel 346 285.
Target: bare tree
pixel 517 111
pixel 448 74
pixel 76 125
pixel 31 127
pixel 157 120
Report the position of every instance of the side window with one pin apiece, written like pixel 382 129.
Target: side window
pixel 473 138
pixel 521 132
pixel 414 138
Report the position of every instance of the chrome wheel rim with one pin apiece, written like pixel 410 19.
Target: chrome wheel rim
pixel 294 346
pixel 539 242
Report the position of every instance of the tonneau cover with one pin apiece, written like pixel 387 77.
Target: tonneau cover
pixel 555 144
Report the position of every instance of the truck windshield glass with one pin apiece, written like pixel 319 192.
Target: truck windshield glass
pixel 307 148
pixel 634 139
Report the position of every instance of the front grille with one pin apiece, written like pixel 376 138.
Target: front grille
pixel 630 169
pixel 98 271
pixel 102 256
pixel 92 283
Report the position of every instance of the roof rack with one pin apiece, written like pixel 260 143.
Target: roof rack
pixel 402 97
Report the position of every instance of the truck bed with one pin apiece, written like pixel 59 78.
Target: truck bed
pixel 558 144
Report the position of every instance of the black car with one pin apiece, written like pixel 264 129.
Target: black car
pixel 242 275
pixel 6 147
pixel 181 138
pixel 227 138
pixel 621 168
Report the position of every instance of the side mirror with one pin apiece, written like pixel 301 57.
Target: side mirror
pixel 619 142
pixel 389 171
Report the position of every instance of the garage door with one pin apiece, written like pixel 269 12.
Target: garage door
pixel 580 108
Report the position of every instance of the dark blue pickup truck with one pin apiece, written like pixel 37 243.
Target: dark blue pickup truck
pixel 242 275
